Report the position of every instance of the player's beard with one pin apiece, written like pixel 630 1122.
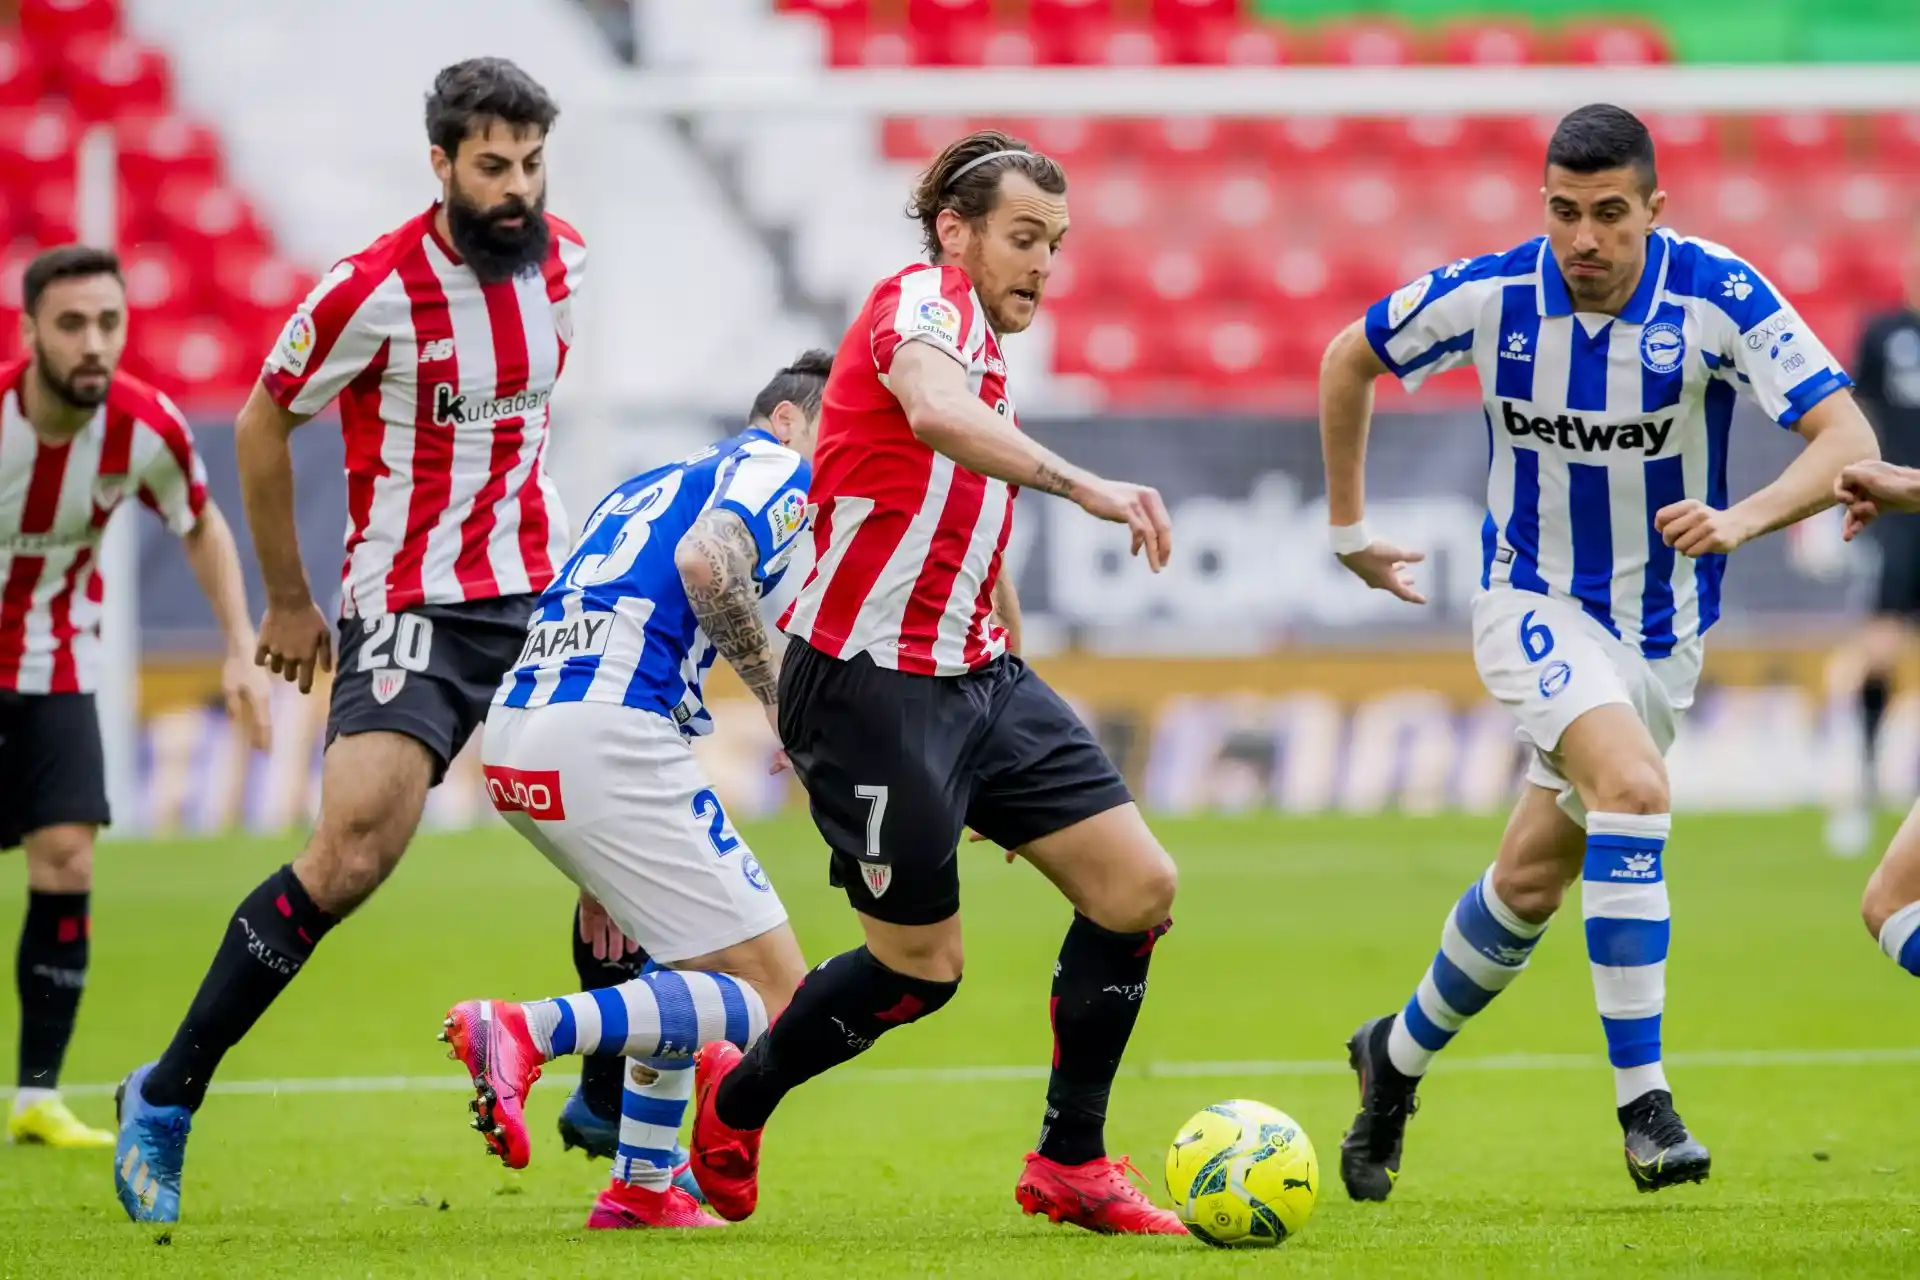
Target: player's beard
pixel 64 388
pixel 497 252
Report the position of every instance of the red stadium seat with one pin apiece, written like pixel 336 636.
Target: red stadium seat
pixel 992 46
pixel 1489 42
pixel 1175 14
pixel 1238 198
pixel 1296 145
pixel 1075 141
pixel 55 215
pixel 37 146
pixel 1792 140
pixel 254 292
pixel 13 270
pixel 23 76
pixel 158 284
pixel 1895 137
pixel 855 44
pixel 1106 343
pixel 10 345
pixel 111 76
pixel 1738 199
pixel 1233 44
pixel 831 10
pixel 918 138
pixel 1117 45
pixel 1119 198
pixel 1055 15
pixel 56 23
pixel 940 16
pixel 1614 42
pixel 1367 43
pixel 1231 348
pixel 155 148
pixel 192 359
pixel 205 219
pixel 1683 141
pixel 1183 142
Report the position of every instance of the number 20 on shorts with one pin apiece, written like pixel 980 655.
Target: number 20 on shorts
pixel 1536 641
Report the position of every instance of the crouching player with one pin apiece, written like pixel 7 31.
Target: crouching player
pixel 586 753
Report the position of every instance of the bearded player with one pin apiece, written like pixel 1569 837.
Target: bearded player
pixel 77 438
pixel 906 717
pixel 1610 353
pixel 442 343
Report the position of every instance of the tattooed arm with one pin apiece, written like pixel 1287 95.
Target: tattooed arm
pixel 945 414
pixel 716 561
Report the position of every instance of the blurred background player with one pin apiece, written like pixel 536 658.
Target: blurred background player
pixel 907 717
pixel 442 341
pixel 1887 372
pixel 587 753
pixel 1609 354
pixel 77 437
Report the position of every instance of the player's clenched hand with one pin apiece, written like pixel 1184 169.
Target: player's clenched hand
pixel 295 643
pixel 1695 529
pixel 248 700
pixel 1870 489
pixel 1137 507
pixel 598 931
pixel 1383 567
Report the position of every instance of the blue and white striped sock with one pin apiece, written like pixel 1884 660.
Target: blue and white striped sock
pixel 650 1117
pixel 1623 894
pixel 1900 938
pixel 1483 947
pixel 664 1013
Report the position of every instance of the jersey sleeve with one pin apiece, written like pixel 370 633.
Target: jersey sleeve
pixel 172 478
pixel 328 341
pixel 1775 359
pixel 1426 326
pixel 934 305
pixel 767 488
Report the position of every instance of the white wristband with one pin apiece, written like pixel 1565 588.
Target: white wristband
pixel 1349 538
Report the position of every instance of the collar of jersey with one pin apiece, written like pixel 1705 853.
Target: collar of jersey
pixel 1554 299
pixel 759 433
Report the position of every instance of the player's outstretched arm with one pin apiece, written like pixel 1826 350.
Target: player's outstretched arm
pixel 215 560
pixel 946 415
pixel 1347 374
pixel 295 640
pixel 1837 434
pixel 716 560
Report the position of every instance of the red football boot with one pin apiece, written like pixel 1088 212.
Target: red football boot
pixel 490 1037
pixel 726 1161
pixel 623 1206
pixel 1097 1195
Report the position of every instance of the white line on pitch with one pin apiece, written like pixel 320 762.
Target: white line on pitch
pixel 1730 1058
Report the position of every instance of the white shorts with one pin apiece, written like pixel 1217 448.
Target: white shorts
pixel 1550 663
pixel 615 799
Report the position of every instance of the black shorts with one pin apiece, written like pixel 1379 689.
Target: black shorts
pixel 430 672
pixel 1898 593
pixel 895 765
pixel 52 769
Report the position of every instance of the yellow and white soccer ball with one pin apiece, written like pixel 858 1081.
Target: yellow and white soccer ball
pixel 1243 1174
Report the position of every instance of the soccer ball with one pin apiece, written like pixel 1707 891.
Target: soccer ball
pixel 1242 1174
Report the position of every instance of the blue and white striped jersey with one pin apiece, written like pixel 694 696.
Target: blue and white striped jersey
pixel 616 626
pixel 1596 422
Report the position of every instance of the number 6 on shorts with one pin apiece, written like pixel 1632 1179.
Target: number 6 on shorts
pixel 1535 641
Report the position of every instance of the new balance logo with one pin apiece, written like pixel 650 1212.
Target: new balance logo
pixel 438 349
pixel 1636 866
pixel 1571 431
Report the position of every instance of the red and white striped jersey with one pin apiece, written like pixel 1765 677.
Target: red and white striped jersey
pixel 907 545
pixel 444 384
pixel 54 504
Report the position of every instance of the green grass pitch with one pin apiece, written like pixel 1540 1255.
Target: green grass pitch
pixel 1289 933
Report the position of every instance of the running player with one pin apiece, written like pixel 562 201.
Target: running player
pixel 442 342
pixel 77 437
pixel 1609 356
pixel 586 753
pixel 1888 371
pixel 906 716
pixel 1891 905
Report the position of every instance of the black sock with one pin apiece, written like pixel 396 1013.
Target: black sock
pixel 602 1074
pixel 1097 989
pixel 1874 692
pixel 273 931
pixel 50 971
pixel 836 1015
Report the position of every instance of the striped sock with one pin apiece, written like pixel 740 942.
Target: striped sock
pixel 1483 947
pixel 1624 897
pixel 650 1116
pixel 665 1013
pixel 1900 938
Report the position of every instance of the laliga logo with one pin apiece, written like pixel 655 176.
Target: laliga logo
pixel 535 793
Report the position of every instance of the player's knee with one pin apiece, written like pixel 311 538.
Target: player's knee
pixel 61 858
pixel 1879 901
pixel 1633 786
pixel 1146 900
pixel 932 954
pixel 342 872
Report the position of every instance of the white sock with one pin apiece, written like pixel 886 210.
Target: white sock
pixel 26 1098
pixel 1623 895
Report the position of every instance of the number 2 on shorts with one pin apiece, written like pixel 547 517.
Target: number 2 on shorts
pixel 705 802
pixel 876 798
pixel 1535 641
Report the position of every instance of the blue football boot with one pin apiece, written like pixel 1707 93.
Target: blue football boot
pixel 581 1126
pixel 147 1157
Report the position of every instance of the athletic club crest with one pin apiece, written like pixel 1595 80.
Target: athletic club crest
pixel 387 685
pixel 878 876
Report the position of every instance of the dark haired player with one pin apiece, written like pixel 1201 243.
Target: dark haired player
pixel 1609 354
pixel 906 717
pixel 77 438
pixel 442 342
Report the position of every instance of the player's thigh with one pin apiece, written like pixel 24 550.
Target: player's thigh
pixel 1895 883
pixel 1540 854
pixel 373 788
pixel 882 755
pixel 770 962
pixel 53 787
pixel 621 806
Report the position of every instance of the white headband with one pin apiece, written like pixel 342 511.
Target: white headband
pixel 971 165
